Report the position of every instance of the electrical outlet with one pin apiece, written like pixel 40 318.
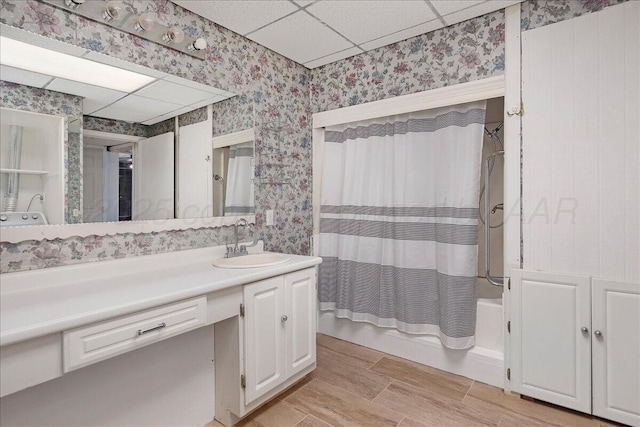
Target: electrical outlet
pixel 269 215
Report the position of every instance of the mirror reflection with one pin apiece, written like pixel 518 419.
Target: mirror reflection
pixel 110 154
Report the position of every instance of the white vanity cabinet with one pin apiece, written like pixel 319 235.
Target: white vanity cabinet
pixel 174 325
pixel 575 342
pixel 278 327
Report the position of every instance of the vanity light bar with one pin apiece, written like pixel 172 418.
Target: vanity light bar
pixel 26 56
pixel 115 14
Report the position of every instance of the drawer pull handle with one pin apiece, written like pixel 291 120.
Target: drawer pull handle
pixel 155 328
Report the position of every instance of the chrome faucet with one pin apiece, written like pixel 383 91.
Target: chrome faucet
pixel 239 250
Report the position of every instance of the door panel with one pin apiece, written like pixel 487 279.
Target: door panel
pixel 551 355
pixel 300 291
pixel 195 176
pixel 264 339
pixel 153 178
pixel 616 351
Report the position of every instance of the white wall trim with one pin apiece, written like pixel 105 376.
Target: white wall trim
pixel 65 231
pixel 121 138
pixel 512 231
pixel 492 87
pixel 478 363
pixel 235 138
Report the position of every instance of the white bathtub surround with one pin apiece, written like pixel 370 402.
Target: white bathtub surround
pixel 484 362
pixel 398 222
pixel 67 336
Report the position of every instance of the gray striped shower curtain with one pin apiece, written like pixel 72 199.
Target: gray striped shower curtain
pixel 239 195
pixel 399 222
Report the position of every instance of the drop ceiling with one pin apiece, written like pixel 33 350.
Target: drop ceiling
pixel 315 33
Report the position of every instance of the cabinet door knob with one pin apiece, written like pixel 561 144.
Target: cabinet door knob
pixel 584 330
pixel 597 333
pixel 284 318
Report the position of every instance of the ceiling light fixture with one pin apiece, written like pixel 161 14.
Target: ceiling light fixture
pixel 146 22
pixel 198 44
pixel 147 25
pixel 174 35
pixel 113 10
pixel 73 4
pixel 26 56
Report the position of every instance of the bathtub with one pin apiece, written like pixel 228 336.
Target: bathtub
pixel 484 362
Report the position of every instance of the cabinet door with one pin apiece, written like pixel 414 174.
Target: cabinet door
pixel 616 351
pixel 264 337
pixel 550 352
pixel 300 296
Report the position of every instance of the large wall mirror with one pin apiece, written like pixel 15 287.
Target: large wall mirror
pixel 140 142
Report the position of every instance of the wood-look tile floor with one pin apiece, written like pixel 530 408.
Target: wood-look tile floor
pixel 357 386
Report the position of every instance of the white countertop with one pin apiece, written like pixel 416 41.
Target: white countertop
pixel 40 302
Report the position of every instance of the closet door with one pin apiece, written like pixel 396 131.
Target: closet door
pixel 581 155
pixel 550 339
pixel 616 351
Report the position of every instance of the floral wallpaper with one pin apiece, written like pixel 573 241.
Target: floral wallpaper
pixel 268 82
pixel 538 13
pixel 233 115
pixel 470 50
pixel 192 117
pixel 44 101
pixel 29 255
pixel 115 126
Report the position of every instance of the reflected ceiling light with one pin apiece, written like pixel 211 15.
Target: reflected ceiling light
pixel 198 44
pixel 113 11
pixel 123 16
pixel 174 35
pixel 37 59
pixel 146 22
pixel 73 4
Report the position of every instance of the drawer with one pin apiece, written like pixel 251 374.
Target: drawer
pixel 99 341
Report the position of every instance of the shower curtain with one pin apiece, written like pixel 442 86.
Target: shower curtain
pixel 399 222
pixel 239 197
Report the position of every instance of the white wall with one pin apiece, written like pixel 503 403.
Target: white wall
pixel 170 383
pixel 497 196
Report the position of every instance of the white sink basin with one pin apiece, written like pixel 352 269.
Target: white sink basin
pixel 262 259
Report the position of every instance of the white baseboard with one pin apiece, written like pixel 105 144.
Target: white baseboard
pixel 480 364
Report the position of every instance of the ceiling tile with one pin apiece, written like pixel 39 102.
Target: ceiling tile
pixel 478 10
pixel 172 92
pixel 333 57
pixel 139 103
pixel 119 113
pixel 300 37
pixel 303 3
pixel 89 107
pixel 23 77
pixel 93 93
pixel 445 7
pixel 125 65
pixel 377 18
pixel 240 16
pixel 402 35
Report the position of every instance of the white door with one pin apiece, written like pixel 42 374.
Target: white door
pixel 550 350
pixel 93 184
pixel 300 302
pixel 580 149
pixel 153 178
pixel 264 337
pixel 111 185
pixel 195 172
pixel 616 351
